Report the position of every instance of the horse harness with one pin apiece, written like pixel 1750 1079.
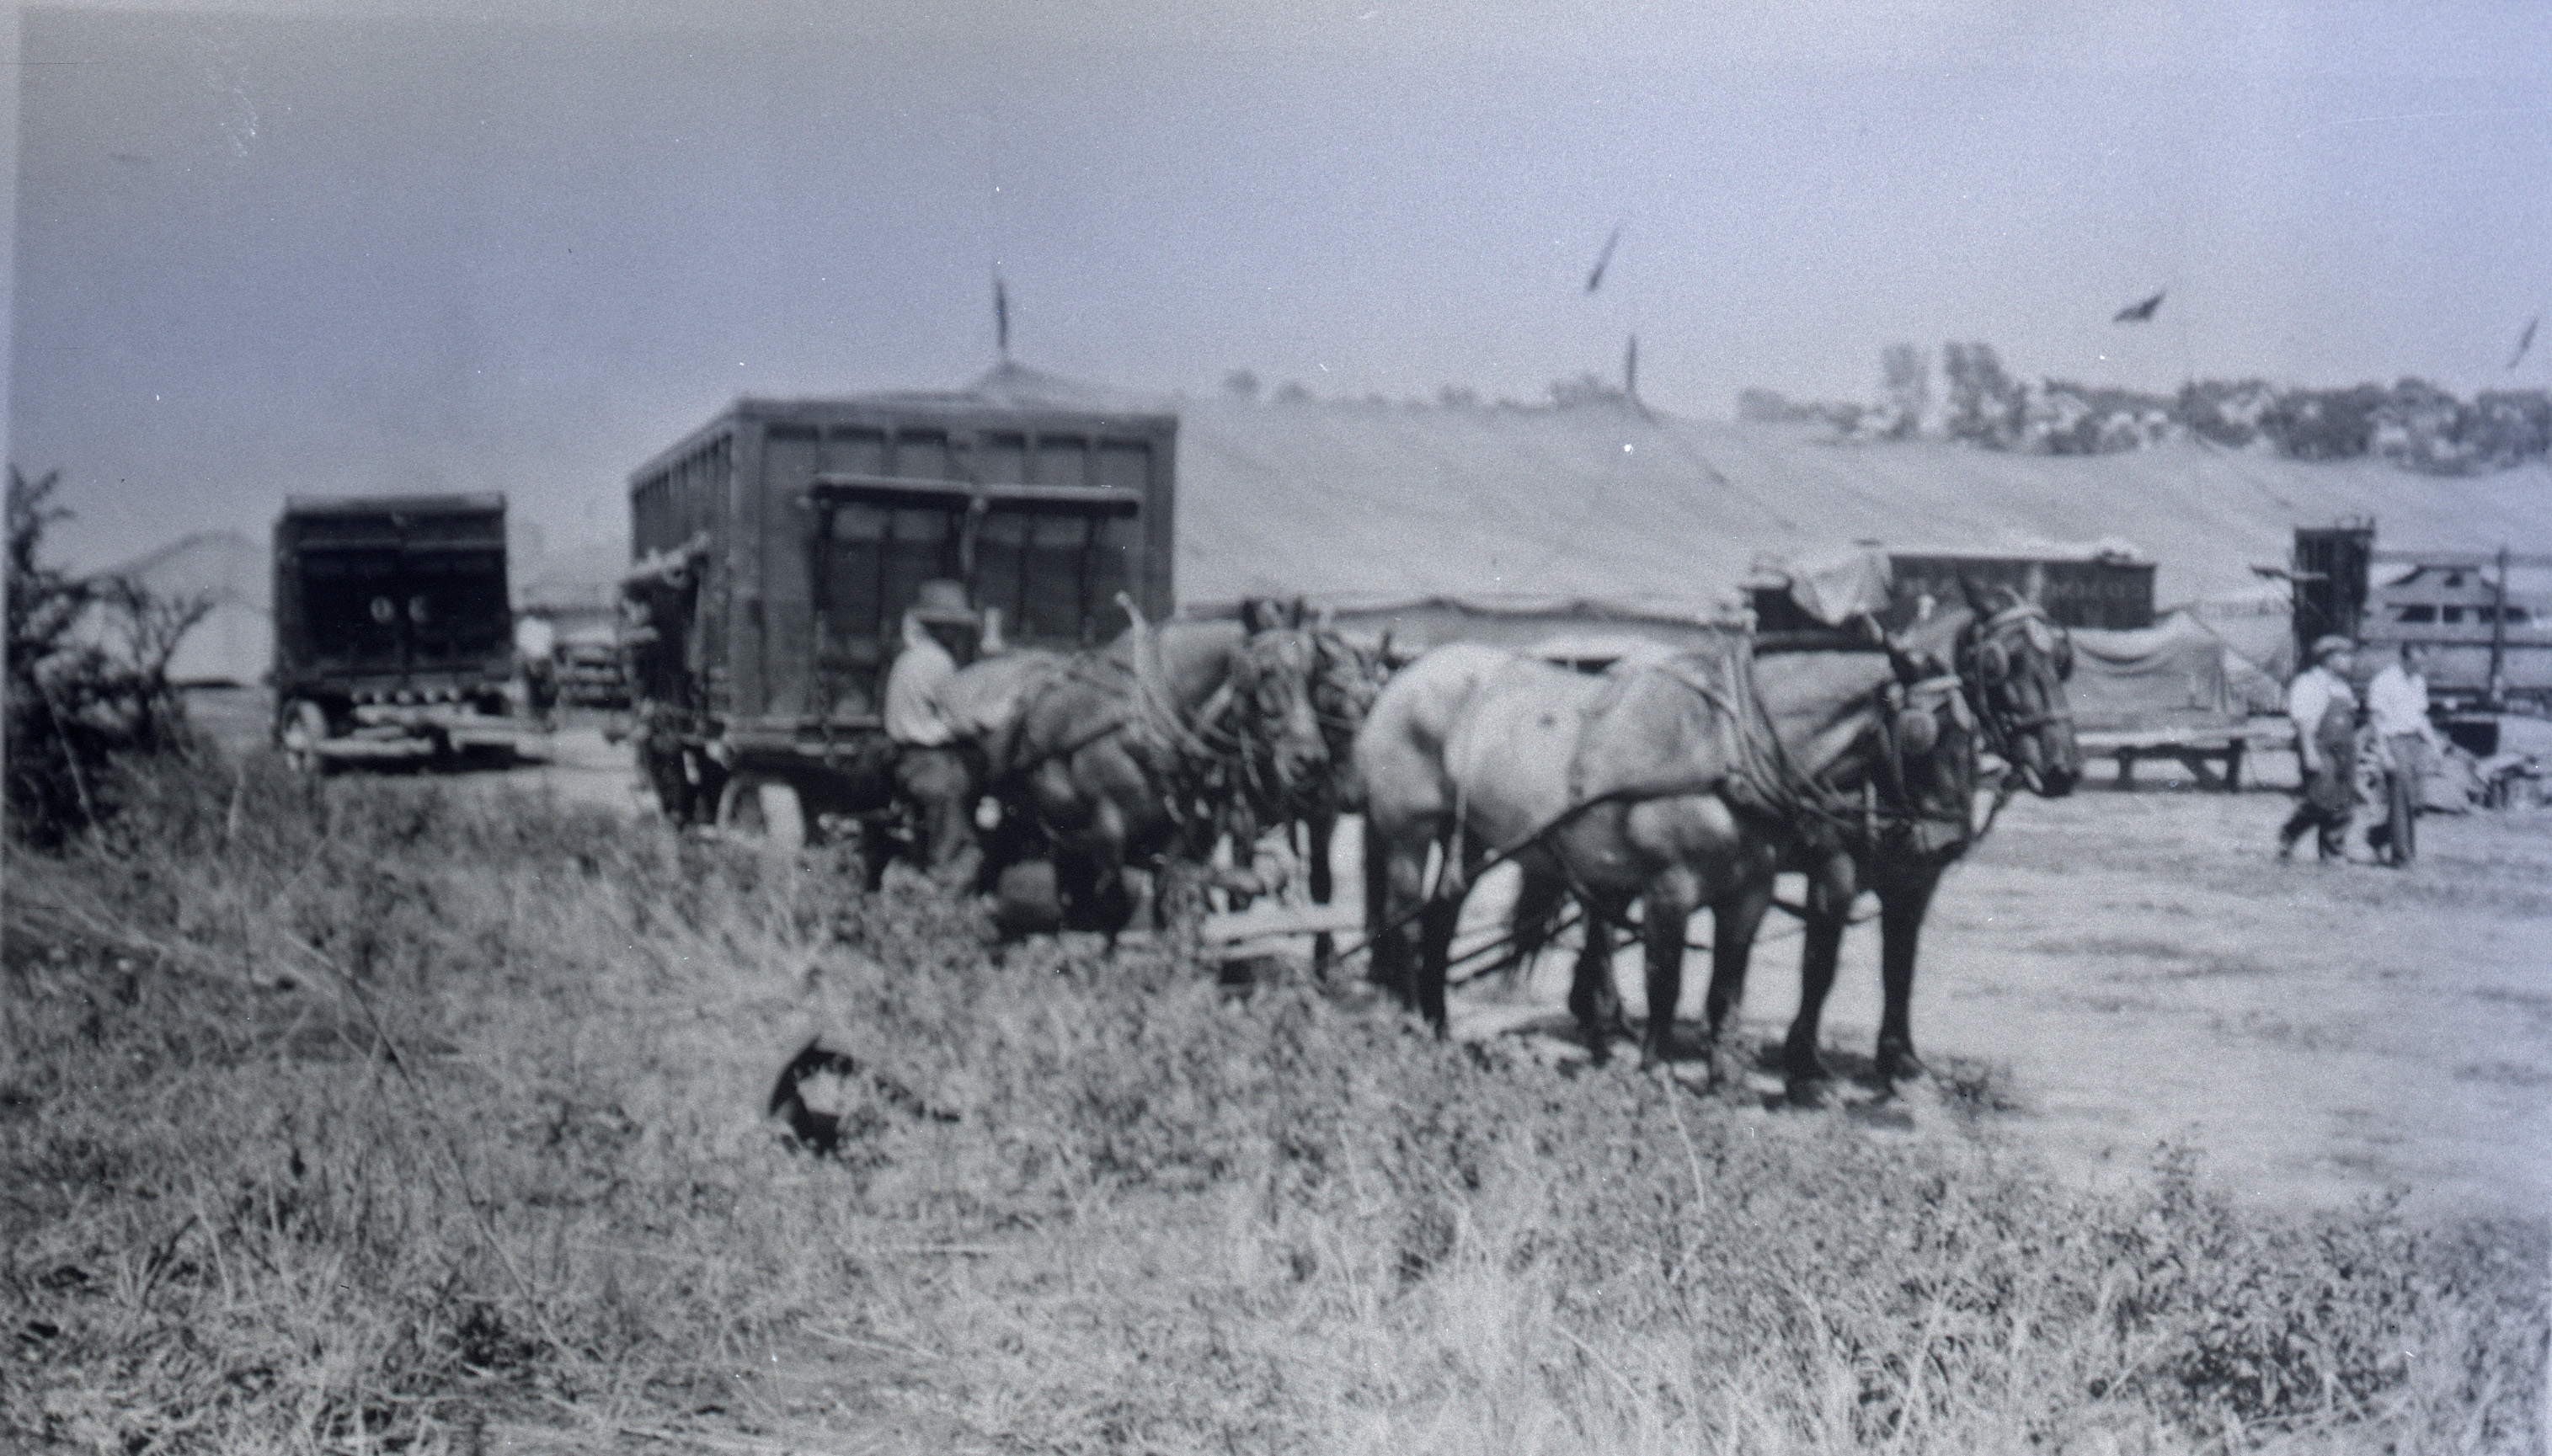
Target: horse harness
pixel 1774 785
pixel 1189 751
pixel 2028 621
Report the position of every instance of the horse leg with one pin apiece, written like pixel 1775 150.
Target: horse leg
pixel 1664 911
pixel 1395 879
pixel 1593 998
pixel 1107 903
pixel 1830 898
pixel 1901 909
pixel 1434 951
pixel 1241 828
pixel 1320 826
pixel 1733 921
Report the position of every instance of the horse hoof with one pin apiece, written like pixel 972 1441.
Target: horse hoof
pixel 1809 1092
pixel 1901 1065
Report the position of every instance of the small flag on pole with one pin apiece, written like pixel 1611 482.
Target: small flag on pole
pixel 2525 340
pixel 1595 279
pixel 2139 313
pixel 1000 316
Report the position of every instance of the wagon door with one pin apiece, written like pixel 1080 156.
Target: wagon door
pixel 1053 566
pixel 1060 534
pixel 452 604
pixel 877 541
pixel 353 607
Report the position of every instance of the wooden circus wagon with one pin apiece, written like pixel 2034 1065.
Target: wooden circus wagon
pixel 777 548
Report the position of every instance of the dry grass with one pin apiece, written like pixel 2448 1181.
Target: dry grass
pixel 356 1116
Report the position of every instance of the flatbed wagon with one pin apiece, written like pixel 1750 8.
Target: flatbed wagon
pixel 2213 756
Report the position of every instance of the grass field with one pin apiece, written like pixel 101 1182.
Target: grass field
pixel 393 1114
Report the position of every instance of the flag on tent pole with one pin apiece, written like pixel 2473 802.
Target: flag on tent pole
pixel 1595 279
pixel 1000 316
pixel 2525 340
pixel 2139 313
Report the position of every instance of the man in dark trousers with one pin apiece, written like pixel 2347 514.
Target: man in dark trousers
pixel 2324 709
pixel 930 769
pixel 2396 705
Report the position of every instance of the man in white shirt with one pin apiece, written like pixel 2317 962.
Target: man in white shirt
pixel 536 656
pixel 930 768
pixel 2324 710
pixel 2396 703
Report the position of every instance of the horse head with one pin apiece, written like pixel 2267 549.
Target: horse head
pixel 2014 659
pixel 1345 680
pixel 1273 675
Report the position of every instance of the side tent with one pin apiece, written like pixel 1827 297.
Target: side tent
pixel 2167 675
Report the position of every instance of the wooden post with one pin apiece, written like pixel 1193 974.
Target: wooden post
pixel 2499 631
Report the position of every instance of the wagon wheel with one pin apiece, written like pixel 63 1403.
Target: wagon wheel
pixel 305 727
pixel 754 807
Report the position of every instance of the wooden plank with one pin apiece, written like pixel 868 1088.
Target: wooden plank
pixel 1255 923
pixel 2167 740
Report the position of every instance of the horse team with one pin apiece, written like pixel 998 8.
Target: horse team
pixel 1672 782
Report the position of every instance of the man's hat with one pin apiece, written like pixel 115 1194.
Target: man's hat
pixel 942 602
pixel 2324 645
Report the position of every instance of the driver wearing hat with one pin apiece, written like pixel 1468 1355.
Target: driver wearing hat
pixel 2324 709
pixel 939 629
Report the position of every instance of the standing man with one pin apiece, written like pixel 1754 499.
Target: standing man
pixel 2324 710
pixel 2396 703
pixel 536 652
pixel 930 769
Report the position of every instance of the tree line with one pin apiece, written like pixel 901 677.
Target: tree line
pixel 2411 423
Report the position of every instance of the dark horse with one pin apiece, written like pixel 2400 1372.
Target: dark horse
pixel 2009 667
pixel 1345 678
pixel 1686 783
pixel 1126 757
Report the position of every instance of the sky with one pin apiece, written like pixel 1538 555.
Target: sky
pixel 351 249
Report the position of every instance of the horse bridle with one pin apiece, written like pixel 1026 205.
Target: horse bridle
pixel 2028 622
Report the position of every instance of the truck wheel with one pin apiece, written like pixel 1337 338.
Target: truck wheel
pixel 304 728
pixel 753 807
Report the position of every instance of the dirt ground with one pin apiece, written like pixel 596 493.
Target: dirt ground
pixel 2134 967
pixel 577 763
pixel 2131 968
pixel 2147 968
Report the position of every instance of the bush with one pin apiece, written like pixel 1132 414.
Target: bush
pixel 74 705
